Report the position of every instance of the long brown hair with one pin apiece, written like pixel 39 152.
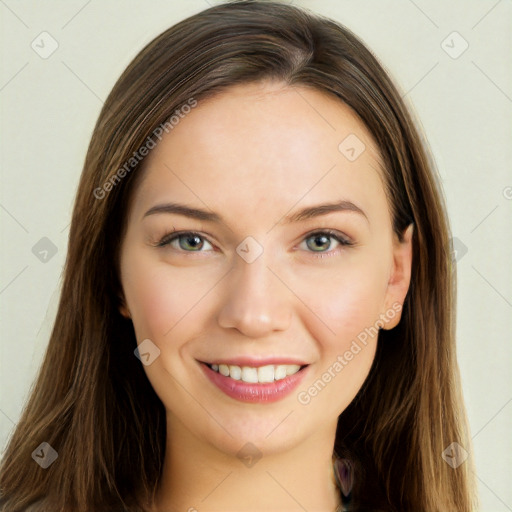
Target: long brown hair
pixel 92 401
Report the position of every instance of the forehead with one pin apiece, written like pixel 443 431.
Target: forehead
pixel 264 146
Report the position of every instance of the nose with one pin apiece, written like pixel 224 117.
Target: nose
pixel 256 302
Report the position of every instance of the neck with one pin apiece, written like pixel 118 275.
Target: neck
pixel 198 477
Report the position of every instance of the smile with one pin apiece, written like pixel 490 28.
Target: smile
pixel 262 374
pixel 255 384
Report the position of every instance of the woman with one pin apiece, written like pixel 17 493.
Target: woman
pixel 263 373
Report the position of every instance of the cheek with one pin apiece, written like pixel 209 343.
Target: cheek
pixel 347 303
pixel 161 300
pixel 344 301
pixel 346 309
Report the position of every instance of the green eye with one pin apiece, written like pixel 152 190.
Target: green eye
pixel 192 241
pixel 321 241
pixel 317 242
pixel 187 242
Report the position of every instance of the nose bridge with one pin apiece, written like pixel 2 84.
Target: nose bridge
pixel 255 302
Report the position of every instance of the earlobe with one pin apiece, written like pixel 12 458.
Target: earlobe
pixel 124 312
pixel 399 281
pixel 123 308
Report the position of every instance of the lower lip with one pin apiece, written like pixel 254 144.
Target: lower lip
pixel 255 393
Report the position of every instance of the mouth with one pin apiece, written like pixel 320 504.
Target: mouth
pixel 255 384
pixel 256 374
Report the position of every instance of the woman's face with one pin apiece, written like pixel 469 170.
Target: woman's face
pixel 252 288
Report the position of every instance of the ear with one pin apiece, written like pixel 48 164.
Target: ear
pixel 123 308
pixel 400 278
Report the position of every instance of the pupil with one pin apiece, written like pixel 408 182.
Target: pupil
pixel 321 237
pixel 195 241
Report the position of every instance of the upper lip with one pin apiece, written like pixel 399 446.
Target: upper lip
pixel 256 362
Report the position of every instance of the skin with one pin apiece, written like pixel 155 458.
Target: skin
pixel 254 154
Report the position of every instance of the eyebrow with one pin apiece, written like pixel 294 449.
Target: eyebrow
pixel 304 214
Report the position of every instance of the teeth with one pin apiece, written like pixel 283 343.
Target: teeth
pixel 235 372
pixel 291 369
pixel 249 374
pixel 269 373
pixel 280 372
pixel 266 374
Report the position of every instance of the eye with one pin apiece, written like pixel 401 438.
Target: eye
pixel 186 241
pixel 322 240
pixel 190 241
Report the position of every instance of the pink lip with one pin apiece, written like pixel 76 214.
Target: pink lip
pixel 256 363
pixel 255 393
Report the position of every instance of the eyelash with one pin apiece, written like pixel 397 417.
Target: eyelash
pixel 167 239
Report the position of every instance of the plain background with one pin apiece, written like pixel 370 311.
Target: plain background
pixel 462 98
